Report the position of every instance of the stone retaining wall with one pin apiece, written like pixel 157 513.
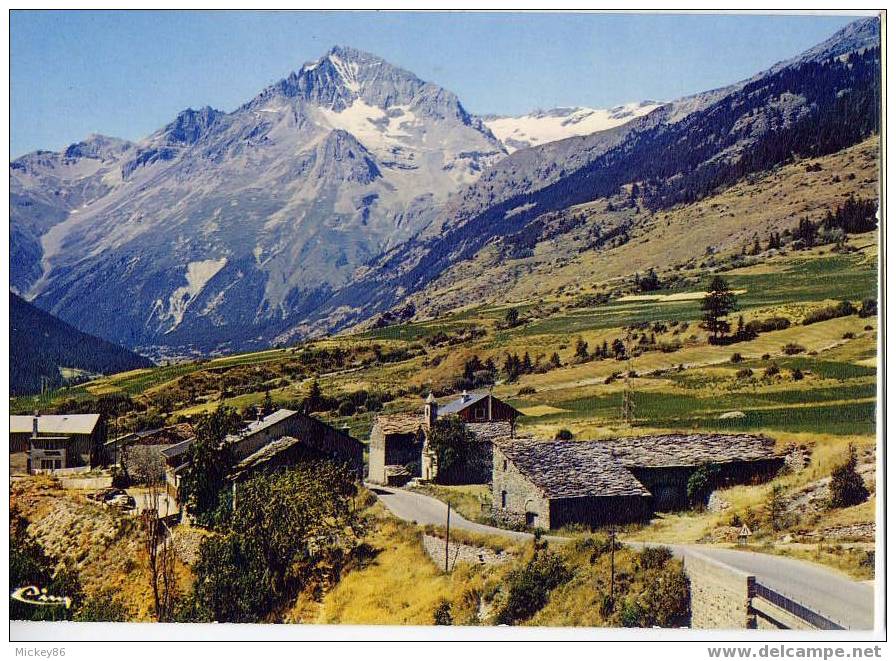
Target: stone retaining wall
pixel 458 552
pixel 720 595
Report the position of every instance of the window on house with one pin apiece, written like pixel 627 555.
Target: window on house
pixel 480 414
pixel 503 500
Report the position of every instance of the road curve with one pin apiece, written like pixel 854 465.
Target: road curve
pixel 837 597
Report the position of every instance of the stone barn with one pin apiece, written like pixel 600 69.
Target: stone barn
pixel 320 436
pixel 549 484
pixel 264 438
pixel 664 463
pixel 554 483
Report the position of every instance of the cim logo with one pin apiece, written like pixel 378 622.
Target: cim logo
pixel 38 597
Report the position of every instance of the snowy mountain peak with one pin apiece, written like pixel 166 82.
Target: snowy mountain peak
pixel 541 126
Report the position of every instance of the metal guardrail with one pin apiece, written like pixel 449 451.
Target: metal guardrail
pixel 797 609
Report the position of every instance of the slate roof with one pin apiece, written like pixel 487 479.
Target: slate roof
pixel 570 469
pixel 258 425
pixel 493 432
pixel 178 449
pixel 264 454
pixel 399 423
pixel 81 423
pixel 668 450
pixel 170 435
pixel 461 403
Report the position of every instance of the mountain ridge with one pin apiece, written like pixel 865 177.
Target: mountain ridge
pixel 42 344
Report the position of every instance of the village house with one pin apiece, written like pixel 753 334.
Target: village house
pixel 478 408
pixel 550 484
pixel 281 438
pixel 398 450
pixel 44 443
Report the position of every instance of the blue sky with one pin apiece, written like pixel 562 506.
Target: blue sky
pixel 129 73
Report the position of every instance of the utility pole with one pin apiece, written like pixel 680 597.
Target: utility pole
pixel 447 534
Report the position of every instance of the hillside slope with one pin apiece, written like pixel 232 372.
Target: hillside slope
pixel 41 344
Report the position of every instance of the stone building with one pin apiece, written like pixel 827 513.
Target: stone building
pixel 265 436
pixel 549 484
pixel 554 483
pixel 395 449
pixel 41 443
pixel 316 435
pixel 398 450
pixel 664 463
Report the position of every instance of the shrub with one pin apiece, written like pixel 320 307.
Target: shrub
pixel 765 356
pixel 654 557
pixel 104 606
pixel 841 309
pixel 737 358
pixel 528 588
pixel 701 483
pixel 745 373
pixel 868 328
pixel 797 374
pixel 441 615
pixel 869 308
pixel 563 435
pixel 347 407
pixel 631 614
pixel 772 370
pixel 791 349
pixel 525 390
pixel 847 486
pixel 849 336
pixel 776 323
pixel 776 508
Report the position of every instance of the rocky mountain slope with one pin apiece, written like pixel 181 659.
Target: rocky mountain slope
pixel 221 225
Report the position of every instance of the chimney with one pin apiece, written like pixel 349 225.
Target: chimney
pixel 465 396
pixel 430 411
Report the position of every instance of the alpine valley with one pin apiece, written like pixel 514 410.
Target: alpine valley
pixel 353 193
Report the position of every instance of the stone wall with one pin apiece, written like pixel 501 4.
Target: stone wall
pixel 720 595
pixel 599 510
pixel 376 456
pixel 519 494
pixel 460 553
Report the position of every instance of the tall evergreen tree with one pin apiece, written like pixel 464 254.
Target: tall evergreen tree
pixel 718 303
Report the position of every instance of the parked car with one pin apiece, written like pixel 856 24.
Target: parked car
pixel 103 495
pixel 121 501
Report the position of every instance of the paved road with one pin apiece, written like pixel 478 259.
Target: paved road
pixel 848 602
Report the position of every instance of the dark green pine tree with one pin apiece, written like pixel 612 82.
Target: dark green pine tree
pixel 718 303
